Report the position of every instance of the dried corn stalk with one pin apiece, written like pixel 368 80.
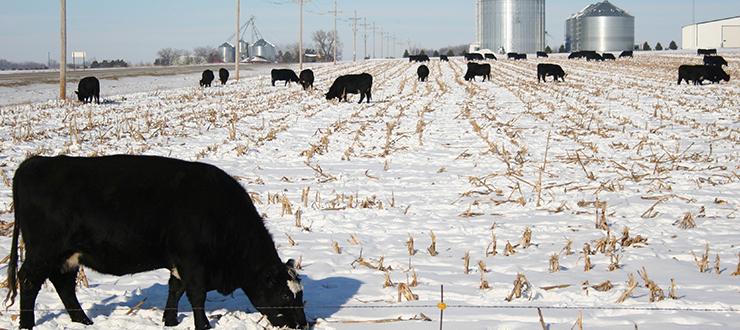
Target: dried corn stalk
pixel 526 238
pixel 568 249
pixel 509 249
pixel 687 222
pixel 737 272
pixel 702 263
pixel 716 264
pixel 335 246
pixel 631 285
pixel 388 283
pixel 433 247
pixel 466 262
pixel 604 286
pixel 82 278
pixel 673 294
pixel 405 291
pixel 554 263
pixel 491 248
pixel 521 287
pixel 410 245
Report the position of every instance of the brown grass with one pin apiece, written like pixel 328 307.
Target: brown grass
pixel 526 238
pixel 687 222
pixel 554 263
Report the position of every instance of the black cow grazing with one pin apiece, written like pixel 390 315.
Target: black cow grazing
pixel 306 78
pixel 576 55
pixel 698 73
pixel 351 84
pixel 418 58
pixel 521 56
pixel 608 56
pixel 88 89
pixel 223 75
pixel 691 73
pixel 627 53
pixel 594 56
pixel 706 51
pixel 542 54
pixel 715 61
pixel 286 75
pixel 444 58
pixel 128 214
pixel 474 57
pixel 206 78
pixel 422 72
pixel 553 70
pixel 512 56
pixel 475 69
pixel 715 74
pixel 490 56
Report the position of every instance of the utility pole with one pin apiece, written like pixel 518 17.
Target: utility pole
pixel 382 52
pixel 63 53
pixel 364 49
pixel 237 44
pixel 354 37
pixel 300 39
pixel 394 45
pixel 334 39
pixel 374 32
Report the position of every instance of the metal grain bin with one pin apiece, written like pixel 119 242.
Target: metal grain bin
pixel 513 25
pixel 227 52
pixel 604 27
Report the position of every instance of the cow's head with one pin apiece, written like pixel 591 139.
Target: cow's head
pixel 333 93
pixel 79 97
pixel 280 297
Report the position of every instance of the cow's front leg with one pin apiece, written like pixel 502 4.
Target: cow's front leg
pixel 176 290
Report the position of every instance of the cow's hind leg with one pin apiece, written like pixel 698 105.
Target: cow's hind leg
pixel 194 280
pixel 64 283
pixel 31 276
pixel 173 298
pixel 362 97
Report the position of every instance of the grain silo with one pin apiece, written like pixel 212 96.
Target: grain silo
pixel 512 25
pixel 601 27
pixel 262 50
pixel 227 52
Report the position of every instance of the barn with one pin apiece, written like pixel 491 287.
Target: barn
pixel 720 33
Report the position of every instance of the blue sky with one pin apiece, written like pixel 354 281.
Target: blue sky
pixel 135 29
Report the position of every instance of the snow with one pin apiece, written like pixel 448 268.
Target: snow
pixel 460 159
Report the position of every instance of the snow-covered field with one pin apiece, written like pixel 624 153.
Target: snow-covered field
pixel 615 157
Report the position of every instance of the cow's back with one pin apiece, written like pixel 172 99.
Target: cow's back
pixel 127 214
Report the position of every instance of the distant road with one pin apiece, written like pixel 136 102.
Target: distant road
pixel 22 78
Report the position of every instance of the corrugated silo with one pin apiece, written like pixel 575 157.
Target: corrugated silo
pixel 602 27
pixel 512 25
pixel 227 52
pixel 263 50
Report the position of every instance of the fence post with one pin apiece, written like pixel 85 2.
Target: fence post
pixel 442 306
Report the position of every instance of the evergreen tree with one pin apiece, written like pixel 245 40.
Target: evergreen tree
pixel 406 53
pixel 658 46
pixel 561 49
pixel 421 52
pixel 548 50
pixel 450 53
pixel 673 45
pixel 435 54
pixel 646 46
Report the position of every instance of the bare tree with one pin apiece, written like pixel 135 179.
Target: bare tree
pixel 209 54
pixel 324 43
pixel 166 56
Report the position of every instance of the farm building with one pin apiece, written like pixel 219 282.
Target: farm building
pixel 600 27
pixel 720 33
pixel 510 25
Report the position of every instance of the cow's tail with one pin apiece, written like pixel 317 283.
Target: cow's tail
pixel 13 265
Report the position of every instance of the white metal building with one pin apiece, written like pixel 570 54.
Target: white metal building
pixel 721 33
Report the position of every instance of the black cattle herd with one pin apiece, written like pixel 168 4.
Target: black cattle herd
pixel 89 87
